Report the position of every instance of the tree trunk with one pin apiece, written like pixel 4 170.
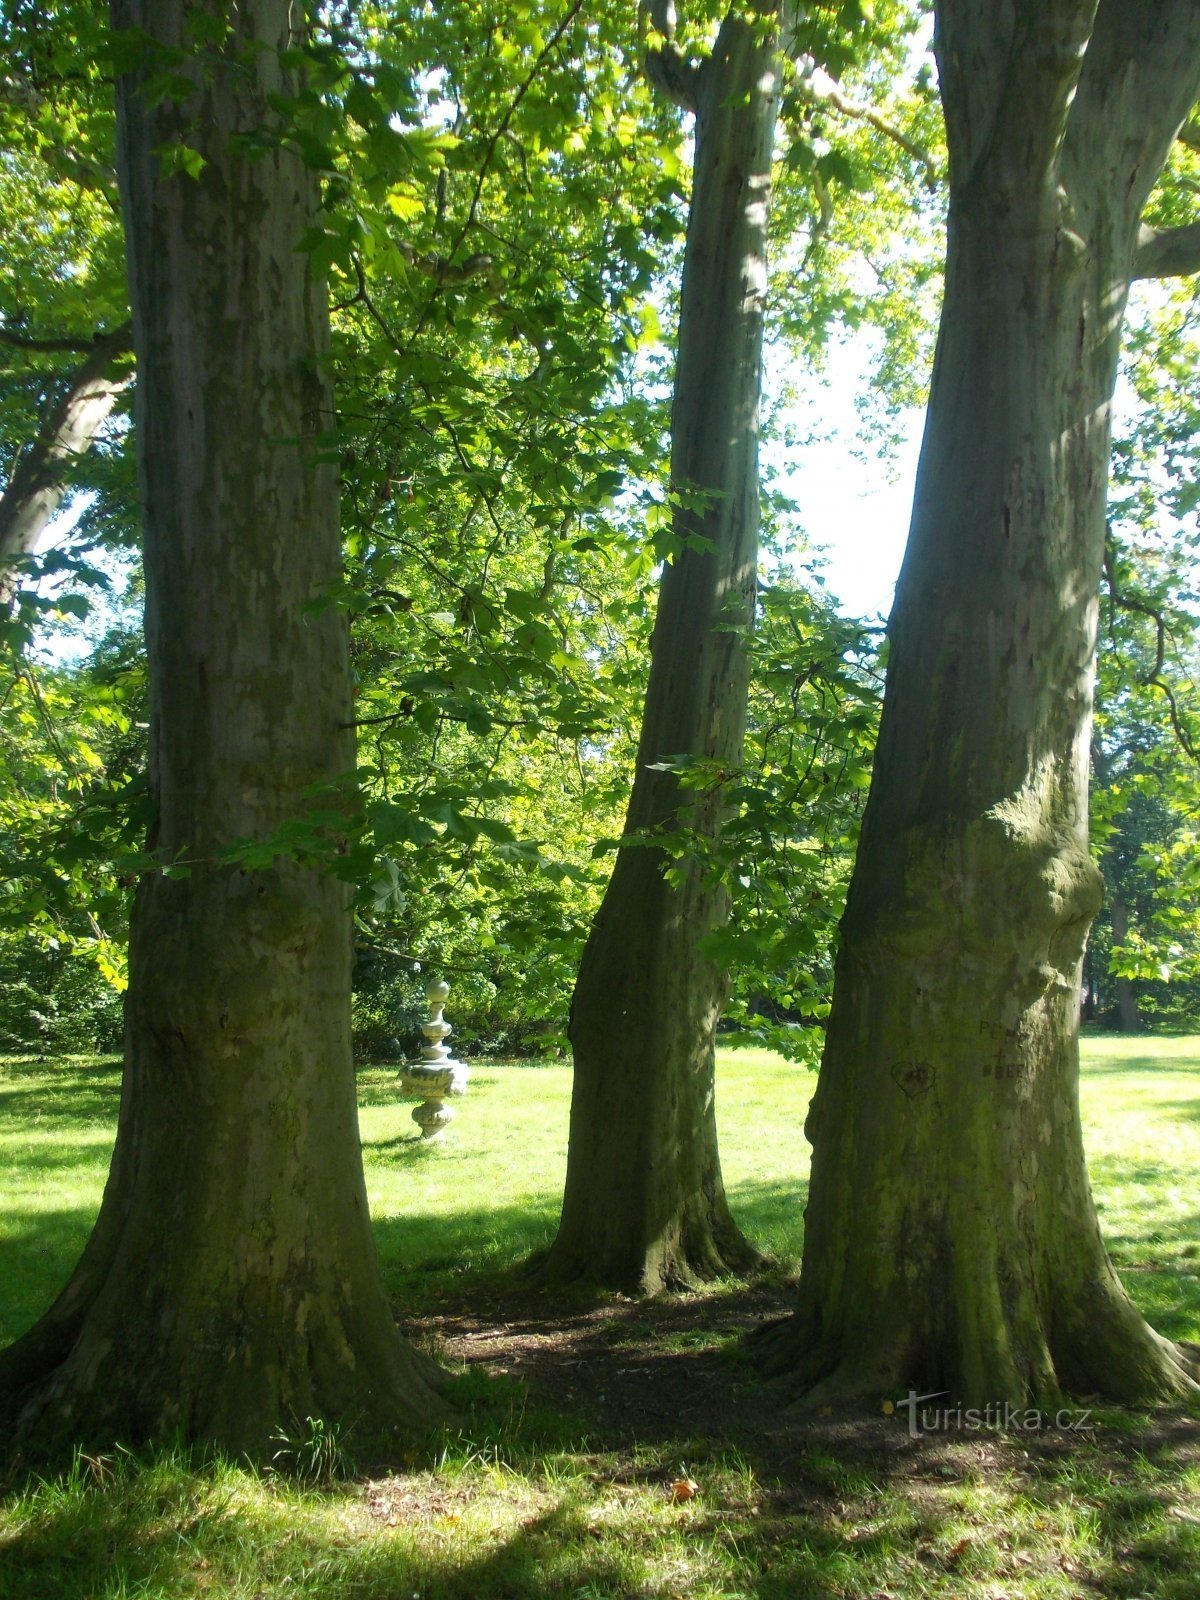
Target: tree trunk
pixel 951 1240
pixel 230 1289
pixel 644 1205
pixel 38 485
pixel 1128 1017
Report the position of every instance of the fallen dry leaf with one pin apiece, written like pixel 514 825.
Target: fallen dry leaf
pixel 682 1489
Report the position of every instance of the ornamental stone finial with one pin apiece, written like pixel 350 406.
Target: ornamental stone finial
pixel 436 1074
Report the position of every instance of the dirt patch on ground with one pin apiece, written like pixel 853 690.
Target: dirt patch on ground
pixel 681 1373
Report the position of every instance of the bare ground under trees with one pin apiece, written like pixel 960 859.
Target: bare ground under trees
pixel 680 1373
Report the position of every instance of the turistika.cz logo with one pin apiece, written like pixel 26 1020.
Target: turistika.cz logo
pixel 1001 1417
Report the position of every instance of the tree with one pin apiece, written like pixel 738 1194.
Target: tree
pixel 644 1204
pixel 64 333
pixel 37 486
pixel 951 1241
pixel 229 1288
pixel 1141 956
pixel 72 828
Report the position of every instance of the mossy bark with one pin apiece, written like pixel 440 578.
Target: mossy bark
pixel 644 1205
pixel 230 1289
pixel 951 1240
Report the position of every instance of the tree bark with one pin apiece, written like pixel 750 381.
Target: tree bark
pixel 951 1240
pixel 644 1205
pixel 38 484
pixel 230 1289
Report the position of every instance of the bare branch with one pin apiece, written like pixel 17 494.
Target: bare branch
pixel 1167 252
pixel 816 86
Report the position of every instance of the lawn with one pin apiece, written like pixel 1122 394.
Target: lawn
pixel 550 1488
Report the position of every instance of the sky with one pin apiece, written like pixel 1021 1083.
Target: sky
pixel 855 511
pixel 852 503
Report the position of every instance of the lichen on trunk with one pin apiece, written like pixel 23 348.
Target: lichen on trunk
pixel 230 1291
pixel 951 1240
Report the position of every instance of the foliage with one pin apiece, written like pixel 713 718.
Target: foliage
pixel 1146 749
pixel 503 215
pixel 496 238
pixel 72 824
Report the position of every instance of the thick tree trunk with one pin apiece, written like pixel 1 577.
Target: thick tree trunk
pixel 644 1204
pixel 230 1288
pixel 39 481
pixel 951 1240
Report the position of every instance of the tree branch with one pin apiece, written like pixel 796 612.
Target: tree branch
pixel 1154 679
pixel 418 960
pixel 573 11
pixel 445 271
pixel 66 344
pixel 1189 134
pixel 1167 252
pixel 37 485
pixel 666 66
pixel 816 86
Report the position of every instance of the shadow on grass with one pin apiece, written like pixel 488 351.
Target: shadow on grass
pixel 166 1532
pixel 62 1157
pixel 771 1212
pixel 416 1249
pixel 912 1522
pixel 85 1096
pixel 1152 1065
pixel 38 1253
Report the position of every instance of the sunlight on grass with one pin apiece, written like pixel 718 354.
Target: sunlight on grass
pixel 518 1506
pixel 501 1521
pixel 1141 1123
pixel 57 1121
pixel 487 1196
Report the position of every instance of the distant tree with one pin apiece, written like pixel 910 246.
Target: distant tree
pixel 1143 953
pixel 229 1289
pixel 64 330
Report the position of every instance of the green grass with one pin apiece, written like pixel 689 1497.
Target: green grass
pixel 527 1509
pixel 488 1194
pixel 1141 1123
pixel 488 1523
